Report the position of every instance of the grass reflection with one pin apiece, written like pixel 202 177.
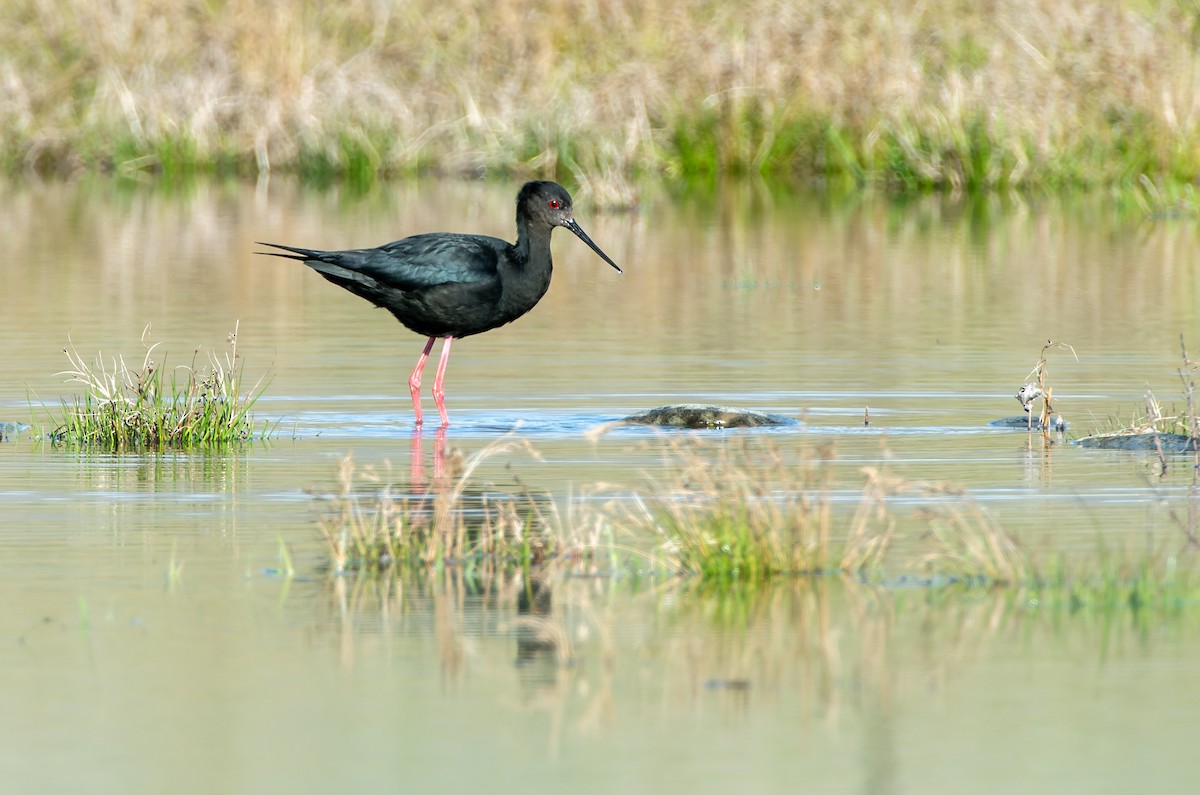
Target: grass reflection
pixel 823 650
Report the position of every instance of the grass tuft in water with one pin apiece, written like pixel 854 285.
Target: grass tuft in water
pixel 373 525
pixel 967 545
pixel 1158 429
pixel 1161 574
pixel 719 518
pixel 739 511
pixel 123 408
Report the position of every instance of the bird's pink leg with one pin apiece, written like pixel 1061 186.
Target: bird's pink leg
pixel 439 393
pixel 414 380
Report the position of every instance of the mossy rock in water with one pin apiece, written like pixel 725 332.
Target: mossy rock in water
pixel 1148 441
pixel 697 415
pixel 1025 422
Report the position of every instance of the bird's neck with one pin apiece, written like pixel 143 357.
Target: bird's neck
pixel 533 245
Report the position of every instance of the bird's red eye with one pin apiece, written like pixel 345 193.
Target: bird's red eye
pixel 553 204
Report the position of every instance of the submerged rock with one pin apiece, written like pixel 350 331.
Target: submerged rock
pixel 1024 421
pixel 1148 441
pixel 698 415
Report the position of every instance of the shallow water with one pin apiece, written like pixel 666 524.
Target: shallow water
pixel 155 642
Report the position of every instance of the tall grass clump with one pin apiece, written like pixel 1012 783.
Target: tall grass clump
pixel 967 545
pixel 720 516
pixel 745 511
pixel 1157 572
pixel 742 512
pixel 931 94
pixel 203 405
pixel 373 523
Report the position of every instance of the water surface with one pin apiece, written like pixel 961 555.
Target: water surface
pixel 154 641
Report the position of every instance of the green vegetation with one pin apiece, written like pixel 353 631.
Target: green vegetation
pixel 917 95
pixel 739 511
pixel 736 513
pixel 374 524
pixel 135 409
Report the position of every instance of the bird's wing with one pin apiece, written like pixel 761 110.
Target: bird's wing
pixel 422 261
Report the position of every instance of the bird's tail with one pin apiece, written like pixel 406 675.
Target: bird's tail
pixel 301 254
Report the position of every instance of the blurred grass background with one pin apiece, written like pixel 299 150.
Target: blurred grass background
pixel 953 94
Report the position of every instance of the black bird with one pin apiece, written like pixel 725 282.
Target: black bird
pixel 453 285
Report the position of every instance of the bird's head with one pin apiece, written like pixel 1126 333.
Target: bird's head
pixel 549 204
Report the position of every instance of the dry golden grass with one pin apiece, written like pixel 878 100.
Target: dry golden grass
pixel 942 92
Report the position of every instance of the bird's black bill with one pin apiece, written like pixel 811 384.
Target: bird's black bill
pixel 574 227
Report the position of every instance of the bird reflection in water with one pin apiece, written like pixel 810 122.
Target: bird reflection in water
pixel 417 457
